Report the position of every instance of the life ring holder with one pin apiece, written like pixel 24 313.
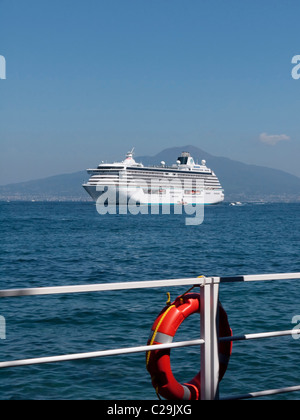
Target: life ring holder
pixel 163 331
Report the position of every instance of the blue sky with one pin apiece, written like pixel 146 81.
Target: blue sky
pixel 88 80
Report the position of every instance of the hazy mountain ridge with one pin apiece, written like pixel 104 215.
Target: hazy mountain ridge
pixel 65 187
pixel 241 182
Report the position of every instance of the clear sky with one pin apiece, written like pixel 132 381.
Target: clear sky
pixel 88 80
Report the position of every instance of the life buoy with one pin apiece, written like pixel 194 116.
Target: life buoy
pixel 163 331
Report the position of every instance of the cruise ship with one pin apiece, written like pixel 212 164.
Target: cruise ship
pixel 129 182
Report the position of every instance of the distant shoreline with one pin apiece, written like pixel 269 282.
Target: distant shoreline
pixel 90 201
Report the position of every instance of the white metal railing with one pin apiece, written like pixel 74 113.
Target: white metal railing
pixel 209 296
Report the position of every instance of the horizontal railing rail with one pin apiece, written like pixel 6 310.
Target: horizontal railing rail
pixel 87 288
pixel 95 354
pixel 209 291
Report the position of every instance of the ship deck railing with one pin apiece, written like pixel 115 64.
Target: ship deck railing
pixel 208 340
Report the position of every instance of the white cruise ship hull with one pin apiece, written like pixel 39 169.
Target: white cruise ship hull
pixel 121 195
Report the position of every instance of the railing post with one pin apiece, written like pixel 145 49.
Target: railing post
pixel 209 297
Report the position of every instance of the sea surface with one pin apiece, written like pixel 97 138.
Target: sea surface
pixel 54 244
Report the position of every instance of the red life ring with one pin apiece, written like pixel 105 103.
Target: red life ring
pixel 158 361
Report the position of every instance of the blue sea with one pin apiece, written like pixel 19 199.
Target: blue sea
pixel 54 244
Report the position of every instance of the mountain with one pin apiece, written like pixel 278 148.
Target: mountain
pixel 241 182
pixel 66 187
